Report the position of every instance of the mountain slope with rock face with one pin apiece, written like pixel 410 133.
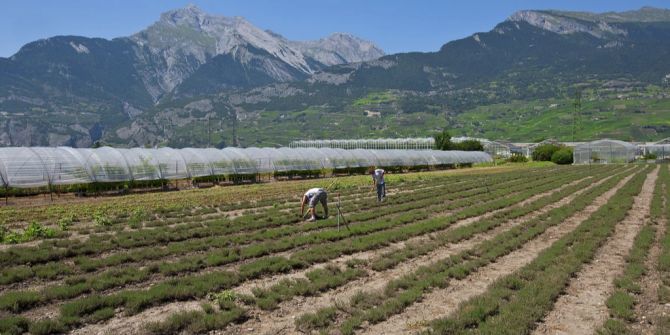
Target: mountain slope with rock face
pixel 71 90
pixel 531 56
pixel 529 47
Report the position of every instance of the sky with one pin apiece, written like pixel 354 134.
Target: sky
pixel 394 25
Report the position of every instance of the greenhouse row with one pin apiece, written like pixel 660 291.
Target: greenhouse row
pixel 421 143
pixel 27 167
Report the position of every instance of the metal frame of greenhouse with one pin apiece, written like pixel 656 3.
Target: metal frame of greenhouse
pixel 31 167
pixel 661 149
pixel 604 151
pixel 421 143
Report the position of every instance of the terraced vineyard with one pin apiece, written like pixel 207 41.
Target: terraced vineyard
pixel 495 251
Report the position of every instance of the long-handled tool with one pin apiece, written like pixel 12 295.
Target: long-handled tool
pixel 331 184
pixel 339 214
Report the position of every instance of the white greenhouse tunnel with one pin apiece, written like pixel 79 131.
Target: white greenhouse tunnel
pixel 27 167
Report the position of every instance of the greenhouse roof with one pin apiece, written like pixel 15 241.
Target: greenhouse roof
pixel 43 166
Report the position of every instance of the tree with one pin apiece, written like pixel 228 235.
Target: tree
pixel 468 145
pixel 562 156
pixel 443 141
pixel 544 152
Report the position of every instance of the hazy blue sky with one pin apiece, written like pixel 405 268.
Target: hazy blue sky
pixel 396 26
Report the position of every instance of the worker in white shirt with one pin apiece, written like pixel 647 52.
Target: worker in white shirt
pixel 378 181
pixel 312 197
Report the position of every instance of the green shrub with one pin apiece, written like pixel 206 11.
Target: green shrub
pixel 468 145
pixel 443 142
pixel 544 152
pixel 321 319
pixel 65 222
pixel 196 322
pixel 517 158
pixel 13 325
pixel 614 327
pixel 225 299
pixel 620 304
pixel 47 326
pixel 562 156
pixel 136 217
pixel 100 219
pixel 35 230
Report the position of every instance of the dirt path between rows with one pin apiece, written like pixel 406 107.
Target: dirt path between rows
pixel 442 302
pixel 582 309
pixel 649 310
pixel 133 324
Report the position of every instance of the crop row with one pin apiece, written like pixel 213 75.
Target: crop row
pixel 664 263
pixel 207 238
pixel 54 250
pixel 621 303
pixel 97 306
pixel 139 218
pixel 397 256
pixel 375 307
pixel 136 239
pixel 268 298
pixel 18 301
pixel 168 202
pixel 513 304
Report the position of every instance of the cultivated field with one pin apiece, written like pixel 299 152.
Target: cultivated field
pixel 506 250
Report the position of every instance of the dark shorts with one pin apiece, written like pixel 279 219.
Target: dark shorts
pixel 321 197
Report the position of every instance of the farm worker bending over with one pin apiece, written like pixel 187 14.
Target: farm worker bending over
pixel 378 181
pixel 313 196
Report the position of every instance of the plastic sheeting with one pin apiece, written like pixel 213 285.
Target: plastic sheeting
pixel 662 151
pixel 26 167
pixel 604 151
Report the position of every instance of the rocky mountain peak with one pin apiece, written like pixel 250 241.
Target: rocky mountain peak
pixel 568 23
pixel 186 38
pixel 339 48
pixel 191 15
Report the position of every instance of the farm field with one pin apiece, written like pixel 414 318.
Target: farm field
pixel 515 249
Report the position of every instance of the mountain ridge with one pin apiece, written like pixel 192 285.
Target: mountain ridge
pixel 275 92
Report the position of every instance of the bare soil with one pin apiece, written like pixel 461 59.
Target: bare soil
pixel 649 310
pixel 581 309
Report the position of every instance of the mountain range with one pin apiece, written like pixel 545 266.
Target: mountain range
pixel 194 79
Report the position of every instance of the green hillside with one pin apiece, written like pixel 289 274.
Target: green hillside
pixel 635 116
